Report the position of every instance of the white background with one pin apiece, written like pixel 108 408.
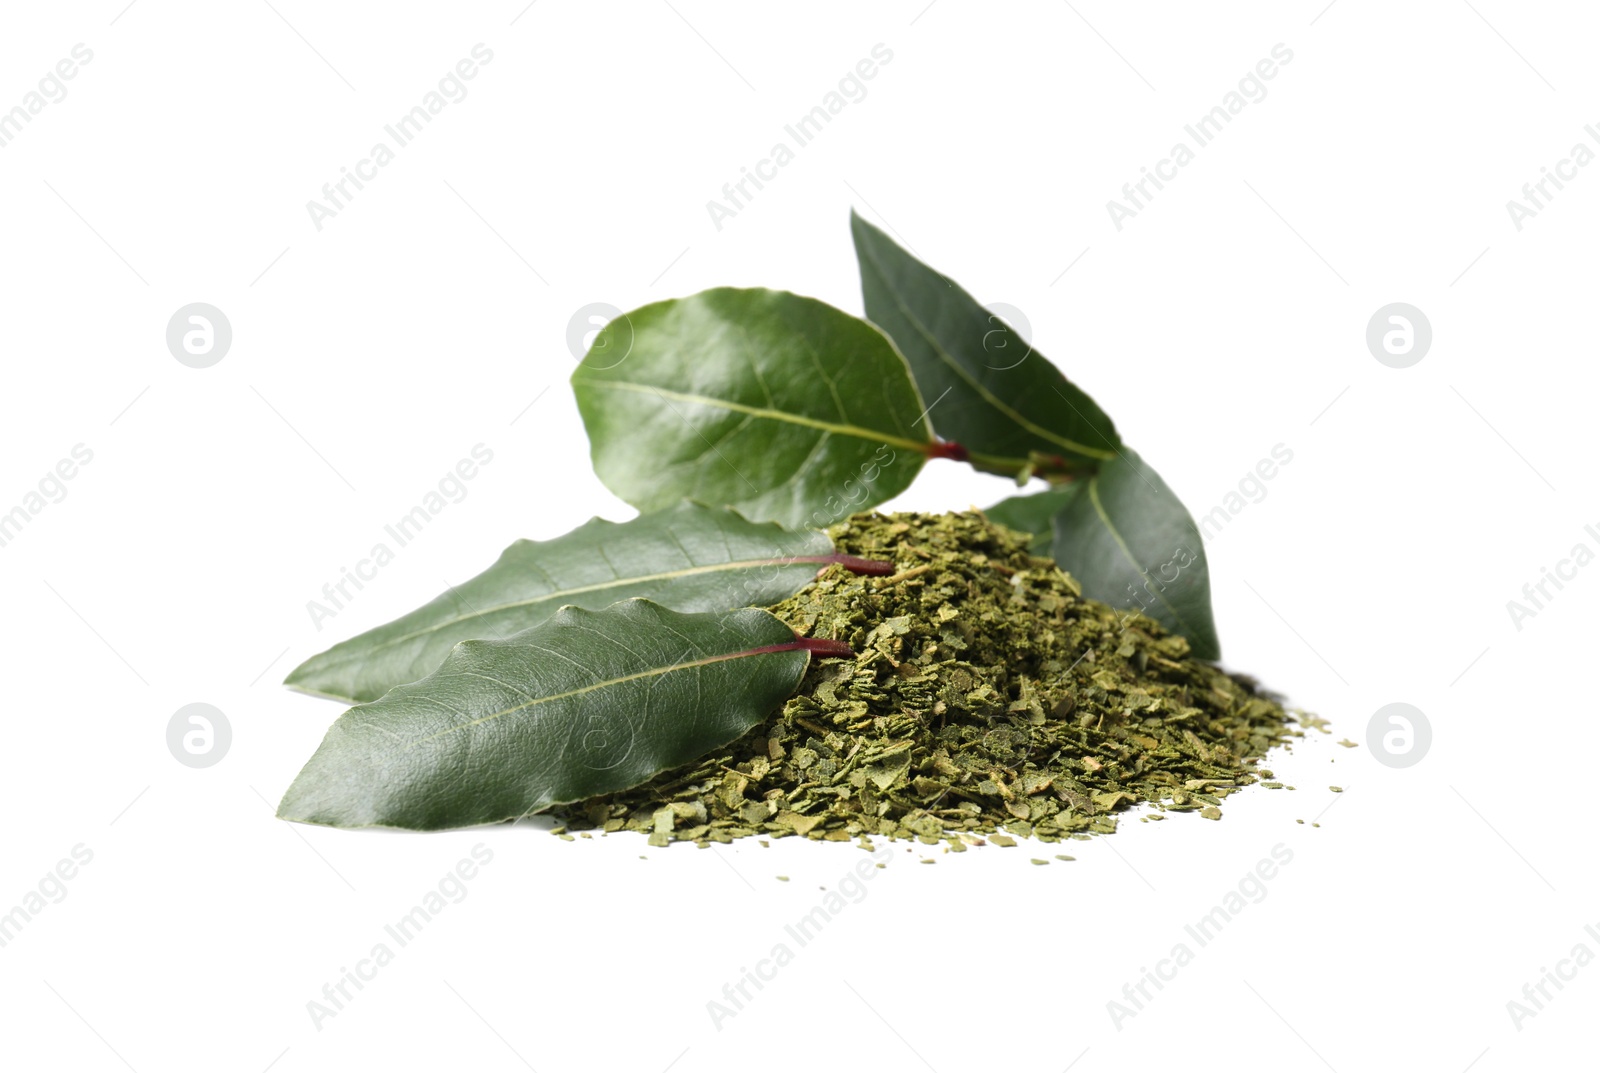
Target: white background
pixel 431 315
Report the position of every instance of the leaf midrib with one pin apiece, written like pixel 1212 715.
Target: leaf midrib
pixel 784 416
pixel 639 579
pixel 653 672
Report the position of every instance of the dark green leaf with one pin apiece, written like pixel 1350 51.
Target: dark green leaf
pixel 1131 543
pixel 689 557
pixel 989 390
pixel 1032 514
pixel 587 702
pixel 781 406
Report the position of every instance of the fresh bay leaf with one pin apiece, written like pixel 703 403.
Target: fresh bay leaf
pixel 781 406
pixel 689 557
pixel 1032 514
pixel 1132 544
pixel 585 703
pixel 988 389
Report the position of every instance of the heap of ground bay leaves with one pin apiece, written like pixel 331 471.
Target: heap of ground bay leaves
pixel 987 695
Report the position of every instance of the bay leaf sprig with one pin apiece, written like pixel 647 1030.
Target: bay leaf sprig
pixel 585 703
pixel 688 557
pixel 1110 520
pixel 790 409
pixel 740 422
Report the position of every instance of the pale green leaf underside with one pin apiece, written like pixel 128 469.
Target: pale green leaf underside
pixel 1131 543
pixel 1032 514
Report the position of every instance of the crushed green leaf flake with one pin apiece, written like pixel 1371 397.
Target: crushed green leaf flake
pixel 987 696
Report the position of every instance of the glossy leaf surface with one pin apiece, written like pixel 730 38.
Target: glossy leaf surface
pixel 587 702
pixel 780 406
pixel 688 557
pixel 987 388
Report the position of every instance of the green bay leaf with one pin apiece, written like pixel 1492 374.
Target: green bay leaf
pixel 1132 544
pixel 688 557
pixel 778 405
pixel 1032 514
pixel 990 390
pixel 586 703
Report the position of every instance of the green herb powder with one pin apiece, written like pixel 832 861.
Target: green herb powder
pixel 987 694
